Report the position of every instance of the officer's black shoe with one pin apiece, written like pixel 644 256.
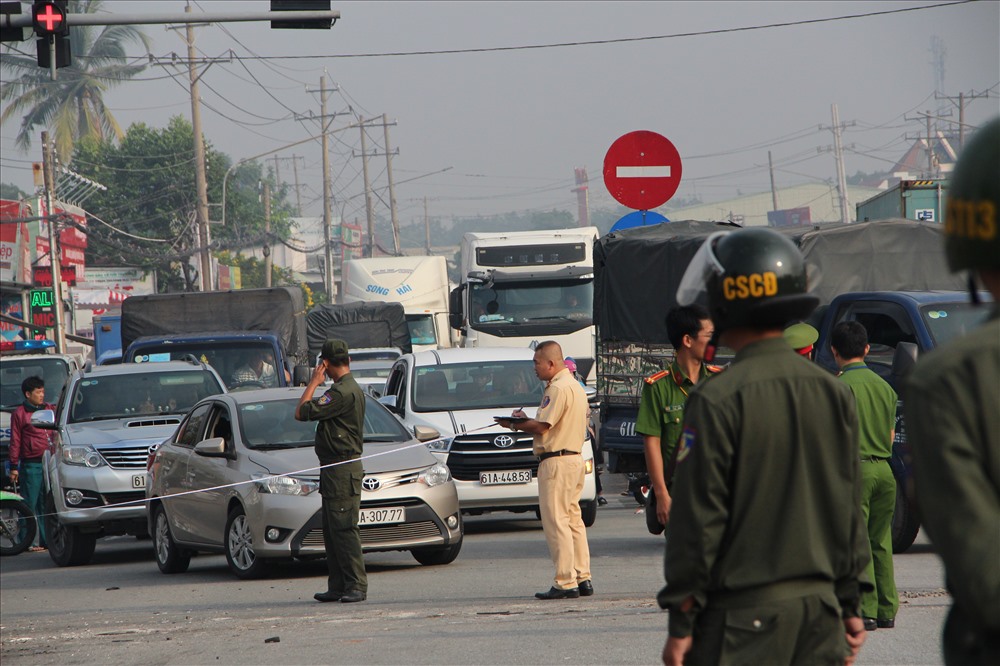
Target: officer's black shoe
pixel 871 624
pixel 353 595
pixel 328 596
pixel 601 501
pixel 556 593
pixel 586 588
pixel 886 624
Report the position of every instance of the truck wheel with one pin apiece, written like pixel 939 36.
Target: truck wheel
pixel 905 524
pixel 437 556
pixel 18 528
pixel 589 511
pixel 170 557
pixel 240 554
pixel 68 546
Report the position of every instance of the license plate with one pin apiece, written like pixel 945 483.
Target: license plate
pixel 384 516
pixel 505 477
pixel 138 480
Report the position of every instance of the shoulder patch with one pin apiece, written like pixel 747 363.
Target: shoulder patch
pixel 545 402
pixel 325 399
pixel 652 379
pixel 686 443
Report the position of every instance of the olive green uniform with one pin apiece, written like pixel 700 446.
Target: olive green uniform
pixel 952 410
pixel 876 403
pixel 765 531
pixel 339 438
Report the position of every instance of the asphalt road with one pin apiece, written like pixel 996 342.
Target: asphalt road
pixel 478 610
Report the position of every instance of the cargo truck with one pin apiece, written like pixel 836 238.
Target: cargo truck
pixel 919 200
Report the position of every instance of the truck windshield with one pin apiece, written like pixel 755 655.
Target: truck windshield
pixel 532 302
pixel 946 321
pixel 53 371
pixel 421 329
pixel 239 364
pixel 119 396
pixel 485 385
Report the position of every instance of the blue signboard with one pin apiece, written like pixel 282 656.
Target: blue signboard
pixel 639 218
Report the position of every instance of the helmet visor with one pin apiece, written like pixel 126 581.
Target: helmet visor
pixel 703 265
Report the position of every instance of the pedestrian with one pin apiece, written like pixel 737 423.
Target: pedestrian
pixel 28 445
pixel 765 549
pixel 340 413
pixel 559 428
pixel 801 337
pixel 952 409
pixel 664 394
pixel 876 407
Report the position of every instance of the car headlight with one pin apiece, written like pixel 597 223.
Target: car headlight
pixel 442 445
pixel 283 485
pixel 436 475
pixel 82 455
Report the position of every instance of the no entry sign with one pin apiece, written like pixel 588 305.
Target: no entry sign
pixel 642 170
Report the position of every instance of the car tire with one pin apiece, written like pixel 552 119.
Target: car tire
pixel 170 557
pixel 905 523
pixel 238 542
pixel 68 546
pixel 589 512
pixel 20 527
pixel 430 557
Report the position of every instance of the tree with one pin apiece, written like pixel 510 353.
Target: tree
pixel 12 192
pixel 72 106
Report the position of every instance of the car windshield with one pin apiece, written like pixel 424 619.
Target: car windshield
pixel 53 371
pixel 101 397
pixel 946 321
pixel 239 364
pixel 272 424
pixel 526 302
pixel 484 385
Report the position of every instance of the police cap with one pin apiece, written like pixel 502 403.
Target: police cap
pixel 334 349
pixel 972 240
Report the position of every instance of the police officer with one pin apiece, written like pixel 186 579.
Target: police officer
pixel 661 408
pixel 766 545
pixel 340 412
pixel 953 419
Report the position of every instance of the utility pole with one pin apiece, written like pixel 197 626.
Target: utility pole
pixel 392 191
pixel 774 192
pixel 427 229
pixel 267 232
pixel 960 103
pixel 368 190
pixel 277 172
pixel 845 214
pixel 55 257
pixel 200 181
pixel 298 194
pixel 327 217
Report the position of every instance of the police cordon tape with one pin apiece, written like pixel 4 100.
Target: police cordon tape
pixel 264 478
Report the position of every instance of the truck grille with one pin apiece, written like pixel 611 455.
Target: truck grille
pixel 126 457
pixel 472 454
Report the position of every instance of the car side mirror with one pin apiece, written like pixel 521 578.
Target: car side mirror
pixel 301 374
pixel 425 433
pixel 44 419
pixel 904 358
pixel 390 403
pixel 212 448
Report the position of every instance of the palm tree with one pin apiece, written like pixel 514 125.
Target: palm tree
pixel 71 107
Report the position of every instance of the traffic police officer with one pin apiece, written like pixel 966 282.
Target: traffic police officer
pixel 340 412
pixel 952 410
pixel 766 546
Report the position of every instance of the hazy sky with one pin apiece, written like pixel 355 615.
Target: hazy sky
pixel 511 125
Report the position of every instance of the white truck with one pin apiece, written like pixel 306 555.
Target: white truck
pixel 419 284
pixel 520 288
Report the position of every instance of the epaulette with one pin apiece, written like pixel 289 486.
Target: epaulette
pixel 714 368
pixel 652 379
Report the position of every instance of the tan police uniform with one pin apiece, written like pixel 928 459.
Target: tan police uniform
pixel 560 478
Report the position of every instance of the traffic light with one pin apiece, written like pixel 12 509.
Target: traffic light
pixel 49 20
pixel 302 6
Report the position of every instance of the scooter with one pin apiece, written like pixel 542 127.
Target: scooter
pixel 17 524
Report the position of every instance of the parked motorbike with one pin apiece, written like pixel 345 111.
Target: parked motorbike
pixel 638 486
pixel 18 524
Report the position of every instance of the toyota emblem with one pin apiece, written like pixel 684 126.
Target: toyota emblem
pixel 503 441
pixel 370 483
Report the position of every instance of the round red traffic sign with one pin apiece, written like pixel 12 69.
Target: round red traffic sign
pixel 642 170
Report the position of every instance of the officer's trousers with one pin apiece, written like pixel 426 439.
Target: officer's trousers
pixel 560 482
pixel 878 502
pixel 341 489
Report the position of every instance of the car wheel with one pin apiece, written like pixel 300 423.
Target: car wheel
pixel 589 513
pixel 240 551
pixel 170 557
pixel 68 546
pixel 905 523
pixel 437 556
pixel 18 527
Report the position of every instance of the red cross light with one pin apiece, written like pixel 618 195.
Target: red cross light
pixel 48 18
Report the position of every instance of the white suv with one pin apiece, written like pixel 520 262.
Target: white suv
pixel 458 392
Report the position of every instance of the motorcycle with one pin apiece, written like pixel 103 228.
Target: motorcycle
pixel 18 524
pixel 638 486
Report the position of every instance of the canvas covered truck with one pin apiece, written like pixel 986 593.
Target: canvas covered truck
pixel 636 276
pixel 363 325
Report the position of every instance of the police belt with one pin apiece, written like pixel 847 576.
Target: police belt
pixel 872 459
pixel 556 454
pixel 786 589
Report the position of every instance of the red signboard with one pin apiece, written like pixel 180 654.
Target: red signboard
pixel 642 170
pixel 42 275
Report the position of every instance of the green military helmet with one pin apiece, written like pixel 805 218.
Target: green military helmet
pixel 753 277
pixel 972 239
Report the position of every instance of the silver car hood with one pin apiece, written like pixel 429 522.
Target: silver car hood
pixel 135 431
pixel 457 422
pixel 379 457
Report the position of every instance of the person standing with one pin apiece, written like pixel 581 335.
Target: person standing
pixel 766 546
pixel 951 405
pixel 559 428
pixel 28 445
pixel 801 336
pixel 661 408
pixel 876 406
pixel 340 412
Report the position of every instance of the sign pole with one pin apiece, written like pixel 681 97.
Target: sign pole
pixel 48 169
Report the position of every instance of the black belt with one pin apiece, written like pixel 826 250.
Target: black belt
pixel 555 454
pixel 33 460
pixel 872 459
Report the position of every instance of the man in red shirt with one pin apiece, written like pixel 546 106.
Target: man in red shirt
pixel 28 445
